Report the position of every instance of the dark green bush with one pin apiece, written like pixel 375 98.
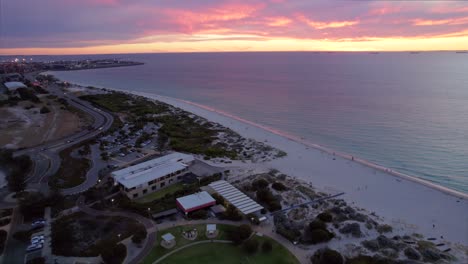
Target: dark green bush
pixel 326 256
pixel 325 217
pixel 267 247
pixel 251 246
pixel 279 186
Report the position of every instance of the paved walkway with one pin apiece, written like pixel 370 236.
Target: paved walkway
pixel 189 245
pixel 303 255
pixel 92 175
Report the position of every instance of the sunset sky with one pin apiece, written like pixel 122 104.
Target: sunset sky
pixel 129 26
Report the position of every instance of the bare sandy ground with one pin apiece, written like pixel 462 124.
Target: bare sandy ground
pixel 405 203
pixel 22 127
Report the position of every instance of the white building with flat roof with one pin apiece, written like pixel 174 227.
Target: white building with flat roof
pixel 235 197
pixel 153 175
pixel 194 202
pixel 13 86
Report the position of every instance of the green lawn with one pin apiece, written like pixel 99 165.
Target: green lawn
pixel 215 253
pixel 159 251
pixel 160 194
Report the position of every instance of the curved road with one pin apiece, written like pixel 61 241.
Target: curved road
pixel 45 156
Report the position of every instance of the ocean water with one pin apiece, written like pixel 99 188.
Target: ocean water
pixel 407 112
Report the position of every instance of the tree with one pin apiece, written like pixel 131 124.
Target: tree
pixel 267 246
pixel 279 186
pixel 139 235
pixel 327 256
pixel 113 254
pixel 260 184
pixel 325 217
pixel 244 231
pixel 251 246
pixel 318 236
pixel 16 181
pixel 317 224
pixel 44 110
pixel 232 213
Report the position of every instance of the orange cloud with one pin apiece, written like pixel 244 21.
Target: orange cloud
pixel 324 25
pixel 278 21
pixel 444 9
pixel 429 22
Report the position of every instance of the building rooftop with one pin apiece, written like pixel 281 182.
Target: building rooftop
pixel 168 237
pixel 195 200
pixel 14 85
pixel 150 170
pixel 235 197
pixel 211 227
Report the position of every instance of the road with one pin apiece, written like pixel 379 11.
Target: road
pixel 46 159
pixel 45 156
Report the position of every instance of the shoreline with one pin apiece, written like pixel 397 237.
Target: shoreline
pixel 318 147
pixel 358 160
pixel 327 150
pixel 419 206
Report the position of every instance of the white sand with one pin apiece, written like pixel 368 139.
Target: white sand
pixel 408 203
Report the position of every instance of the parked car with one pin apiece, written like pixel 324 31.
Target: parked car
pixel 38 224
pixel 37 241
pixel 36 238
pixel 33 247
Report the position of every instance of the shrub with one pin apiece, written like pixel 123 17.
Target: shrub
pixel 114 254
pixel 279 186
pixel 354 229
pixel 384 228
pixel 319 235
pixel 326 256
pixel 325 217
pixel 200 214
pixel 251 246
pixel 3 236
pixel 232 213
pixel 259 184
pixel 5 221
pixel 39 260
pixel 267 246
pixel 44 110
pixel 23 236
pixel 245 231
pixel 317 224
pixel 290 234
pixel 139 235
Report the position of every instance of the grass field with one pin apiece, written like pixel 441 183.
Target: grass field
pixel 215 253
pixel 159 251
pixel 160 194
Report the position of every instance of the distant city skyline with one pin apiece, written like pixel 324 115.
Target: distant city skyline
pixel 139 26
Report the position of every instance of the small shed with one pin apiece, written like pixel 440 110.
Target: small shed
pixel 211 228
pixel 168 238
pixel 13 86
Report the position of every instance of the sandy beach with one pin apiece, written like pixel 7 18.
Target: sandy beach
pixel 409 205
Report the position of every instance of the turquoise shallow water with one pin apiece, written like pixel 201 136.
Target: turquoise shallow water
pixel 408 112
